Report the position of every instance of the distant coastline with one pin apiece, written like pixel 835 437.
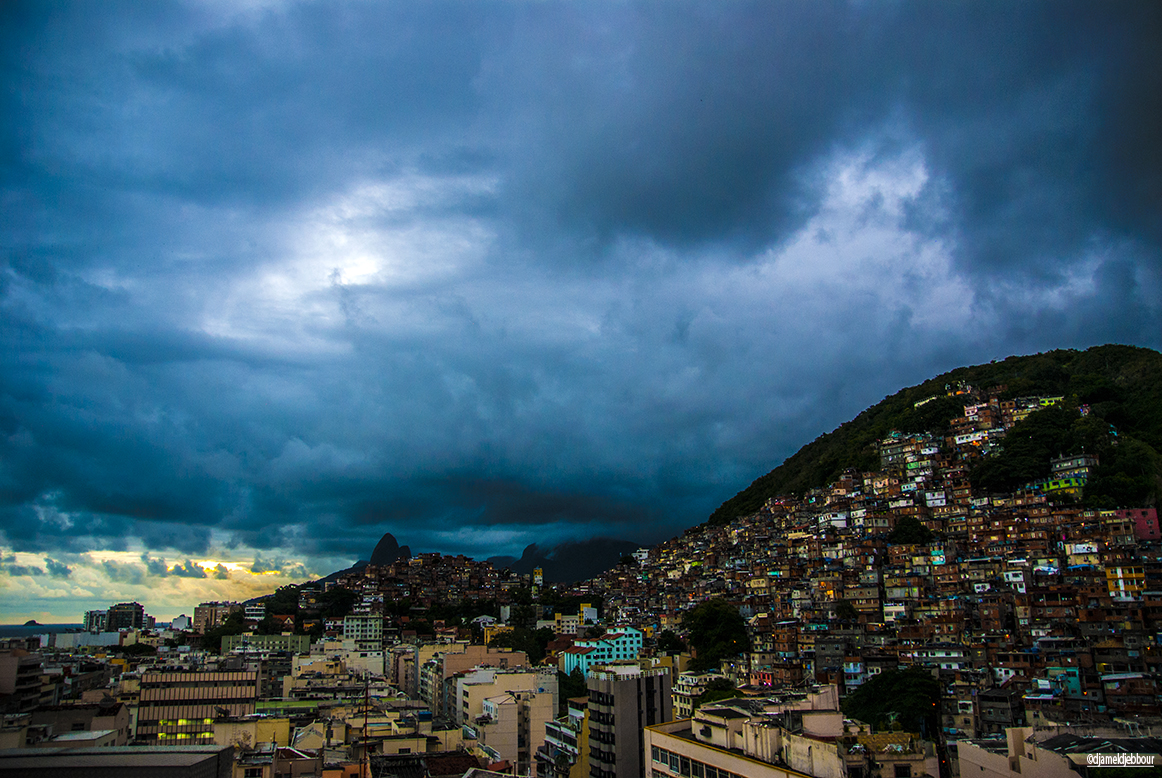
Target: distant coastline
pixel 23 630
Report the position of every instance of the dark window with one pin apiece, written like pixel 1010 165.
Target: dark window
pixel 903 771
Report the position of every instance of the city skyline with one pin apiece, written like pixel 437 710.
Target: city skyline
pixel 282 277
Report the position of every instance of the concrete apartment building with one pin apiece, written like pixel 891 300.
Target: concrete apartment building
pixel 124 615
pixel 688 688
pixel 179 708
pixel 110 717
pixel 189 761
pixel 512 726
pixel 364 629
pixel 475 686
pixel 95 621
pixel 757 738
pixel 565 751
pixel 433 674
pixel 20 680
pixel 624 699
pixel 251 642
pixel 616 645
pixel 405 661
pixel 208 615
pixel 1052 752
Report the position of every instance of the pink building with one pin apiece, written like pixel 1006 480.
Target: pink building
pixel 1145 522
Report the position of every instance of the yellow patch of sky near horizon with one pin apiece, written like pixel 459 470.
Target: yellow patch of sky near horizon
pixel 101 578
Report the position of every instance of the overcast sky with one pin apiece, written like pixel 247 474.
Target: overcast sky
pixel 277 278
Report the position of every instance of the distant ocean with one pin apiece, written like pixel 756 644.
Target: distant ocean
pixel 20 631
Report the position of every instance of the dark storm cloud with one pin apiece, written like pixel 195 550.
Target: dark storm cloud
pixel 52 568
pixel 348 519
pixel 684 125
pixel 289 568
pixel 188 570
pixel 156 567
pixel 623 257
pixel 118 572
pixel 698 125
pixel 1033 112
pixel 9 565
pixel 170 101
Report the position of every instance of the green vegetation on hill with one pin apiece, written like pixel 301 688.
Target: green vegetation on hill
pixel 907 698
pixel 532 642
pixel 1128 468
pixel 1122 386
pixel 717 689
pixel 910 531
pixel 717 631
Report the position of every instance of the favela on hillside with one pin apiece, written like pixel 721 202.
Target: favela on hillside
pixel 764 389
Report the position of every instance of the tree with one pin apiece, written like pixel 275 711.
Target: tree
pixel 1121 384
pixel 845 611
pixel 269 626
pixel 136 649
pixel 910 697
pixel 1127 476
pixel 910 531
pixel 336 602
pixel 716 689
pixel 716 632
pixel 532 642
pixel 1027 449
pixel 523 615
pixel 285 600
pixel 670 643
pixel 235 624
pixel 571 685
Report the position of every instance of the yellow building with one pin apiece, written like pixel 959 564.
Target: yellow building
pixel 247 733
pixel 495 630
pixel 1125 581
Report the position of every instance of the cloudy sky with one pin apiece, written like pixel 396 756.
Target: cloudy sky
pixel 279 277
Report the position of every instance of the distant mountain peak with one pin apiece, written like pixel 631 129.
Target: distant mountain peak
pixel 569 561
pixel 387 551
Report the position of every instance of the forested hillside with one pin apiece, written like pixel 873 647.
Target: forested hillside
pixel 1121 385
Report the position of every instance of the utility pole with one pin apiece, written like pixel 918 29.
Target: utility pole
pixel 366 767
